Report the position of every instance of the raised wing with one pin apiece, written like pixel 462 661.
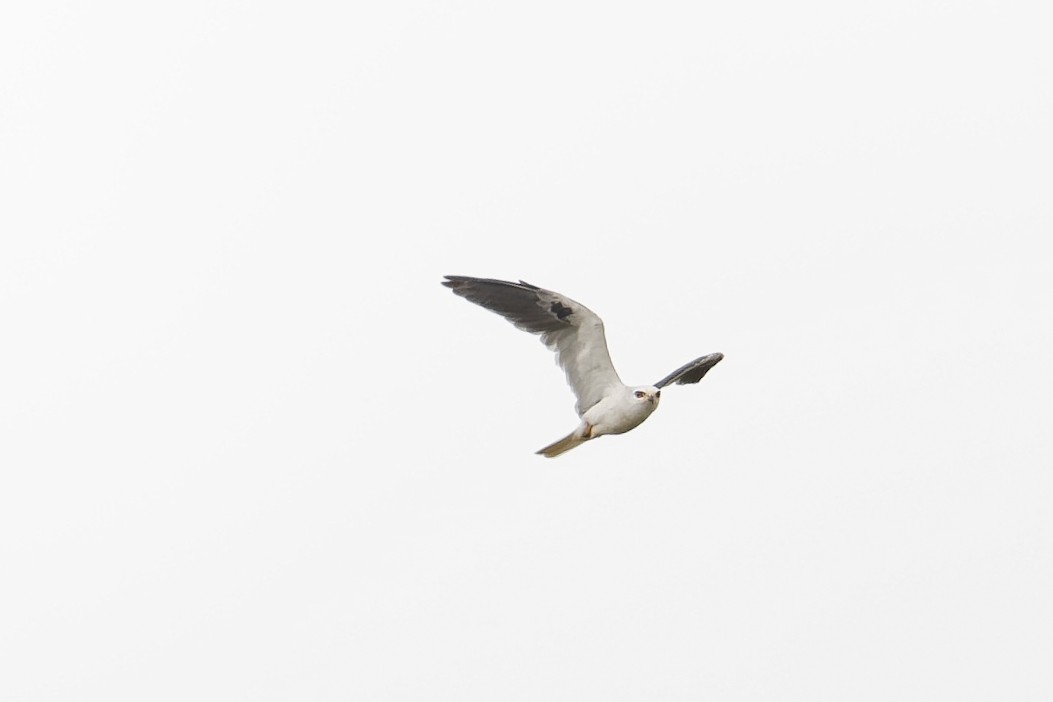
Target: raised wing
pixel 569 328
pixel 691 372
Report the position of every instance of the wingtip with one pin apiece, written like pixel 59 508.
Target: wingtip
pixel 691 373
pixel 462 281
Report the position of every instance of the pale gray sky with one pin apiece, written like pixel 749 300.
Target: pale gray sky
pixel 252 450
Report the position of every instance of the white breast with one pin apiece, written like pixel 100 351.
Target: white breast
pixel 617 413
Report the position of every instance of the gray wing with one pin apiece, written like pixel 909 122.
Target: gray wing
pixel 691 372
pixel 569 328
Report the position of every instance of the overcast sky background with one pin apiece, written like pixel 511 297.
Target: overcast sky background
pixel 252 450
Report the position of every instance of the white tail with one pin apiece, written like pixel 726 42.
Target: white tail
pixel 563 445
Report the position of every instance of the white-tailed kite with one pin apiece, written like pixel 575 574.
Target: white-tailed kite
pixel 575 333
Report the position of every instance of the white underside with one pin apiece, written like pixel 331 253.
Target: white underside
pixel 616 413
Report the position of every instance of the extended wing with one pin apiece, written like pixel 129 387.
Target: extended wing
pixel 569 328
pixel 691 372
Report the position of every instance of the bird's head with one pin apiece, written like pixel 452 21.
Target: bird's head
pixel 647 393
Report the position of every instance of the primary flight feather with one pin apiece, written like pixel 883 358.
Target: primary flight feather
pixel 605 404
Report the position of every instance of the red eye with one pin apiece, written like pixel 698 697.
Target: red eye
pixel 639 393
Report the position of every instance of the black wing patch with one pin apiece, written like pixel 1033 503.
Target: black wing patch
pixel 691 372
pixel 560 310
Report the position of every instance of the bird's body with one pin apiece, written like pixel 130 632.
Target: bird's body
pixel 618 412
pixel 605 404
pixel 621 410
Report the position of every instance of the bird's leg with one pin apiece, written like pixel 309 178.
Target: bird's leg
pixel 588 430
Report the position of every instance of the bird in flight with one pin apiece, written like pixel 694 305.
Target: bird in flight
pixel 575 333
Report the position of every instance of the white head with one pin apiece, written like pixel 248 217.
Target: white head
pixel 647 393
